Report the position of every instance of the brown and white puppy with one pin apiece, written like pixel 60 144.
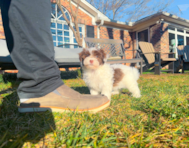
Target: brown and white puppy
pixel 92 58
pixel 104 78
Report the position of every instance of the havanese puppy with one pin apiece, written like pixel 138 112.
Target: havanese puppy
pixel 106 79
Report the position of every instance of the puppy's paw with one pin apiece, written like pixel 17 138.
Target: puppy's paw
pixel 94 92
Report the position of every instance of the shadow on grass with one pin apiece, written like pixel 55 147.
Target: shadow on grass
pixel 18 128
pixel 71 74
pixel 82 90
pixel 12 77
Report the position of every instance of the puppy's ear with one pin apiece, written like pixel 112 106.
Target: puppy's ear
pixel 81 54
pixel 104 55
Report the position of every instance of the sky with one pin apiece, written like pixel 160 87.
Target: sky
pixel 177 7
pixel 180 8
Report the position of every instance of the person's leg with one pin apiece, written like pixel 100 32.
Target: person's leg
pixel 32 52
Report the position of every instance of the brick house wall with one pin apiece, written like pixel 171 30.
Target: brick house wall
pixel 83 18
pixel 159 37
pixel 164 38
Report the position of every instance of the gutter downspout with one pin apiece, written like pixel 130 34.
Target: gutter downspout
pixel 98 28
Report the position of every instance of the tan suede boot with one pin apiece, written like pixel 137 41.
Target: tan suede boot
pixel 65 99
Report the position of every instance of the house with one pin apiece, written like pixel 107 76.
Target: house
pixel 162 29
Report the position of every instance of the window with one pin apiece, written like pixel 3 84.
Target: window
pixel 172 41
pixel 90 31
pixel 171 28
pixel 187 40
pixel 177 36
pixel 61 33
pixel 74 40
pixel 180 30
pixel 143 35
pixel 180 39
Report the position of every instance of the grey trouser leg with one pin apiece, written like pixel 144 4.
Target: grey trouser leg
pixel 31 46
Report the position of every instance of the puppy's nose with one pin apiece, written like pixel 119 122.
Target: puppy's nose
pixel 91 61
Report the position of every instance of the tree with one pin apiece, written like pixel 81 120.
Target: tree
pixel 129 10
pixel 74 17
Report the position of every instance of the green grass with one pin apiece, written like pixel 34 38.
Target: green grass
pixel 160 118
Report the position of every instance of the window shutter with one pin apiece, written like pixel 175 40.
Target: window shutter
pixel 90 31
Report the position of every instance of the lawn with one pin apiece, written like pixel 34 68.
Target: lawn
pixel 160 118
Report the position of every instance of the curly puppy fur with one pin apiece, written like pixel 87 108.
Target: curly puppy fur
pixel 106 79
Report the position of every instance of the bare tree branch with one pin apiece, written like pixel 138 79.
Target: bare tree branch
pixel 130 10
pixel 74 15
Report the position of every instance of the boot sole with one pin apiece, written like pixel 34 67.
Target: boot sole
pixel 61 110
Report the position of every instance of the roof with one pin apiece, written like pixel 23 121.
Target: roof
pixel 165 15
pixel 147 21
pixel 132 26
pixel 92 10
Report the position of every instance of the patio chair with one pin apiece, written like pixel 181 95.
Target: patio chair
pixel 64 57
pixel 115 49
pixel 153 59
pixel 179 63
pixel 185 57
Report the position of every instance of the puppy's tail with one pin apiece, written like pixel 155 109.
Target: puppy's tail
pixel 136 73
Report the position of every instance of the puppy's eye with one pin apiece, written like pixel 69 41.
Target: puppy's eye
pixel 96 56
